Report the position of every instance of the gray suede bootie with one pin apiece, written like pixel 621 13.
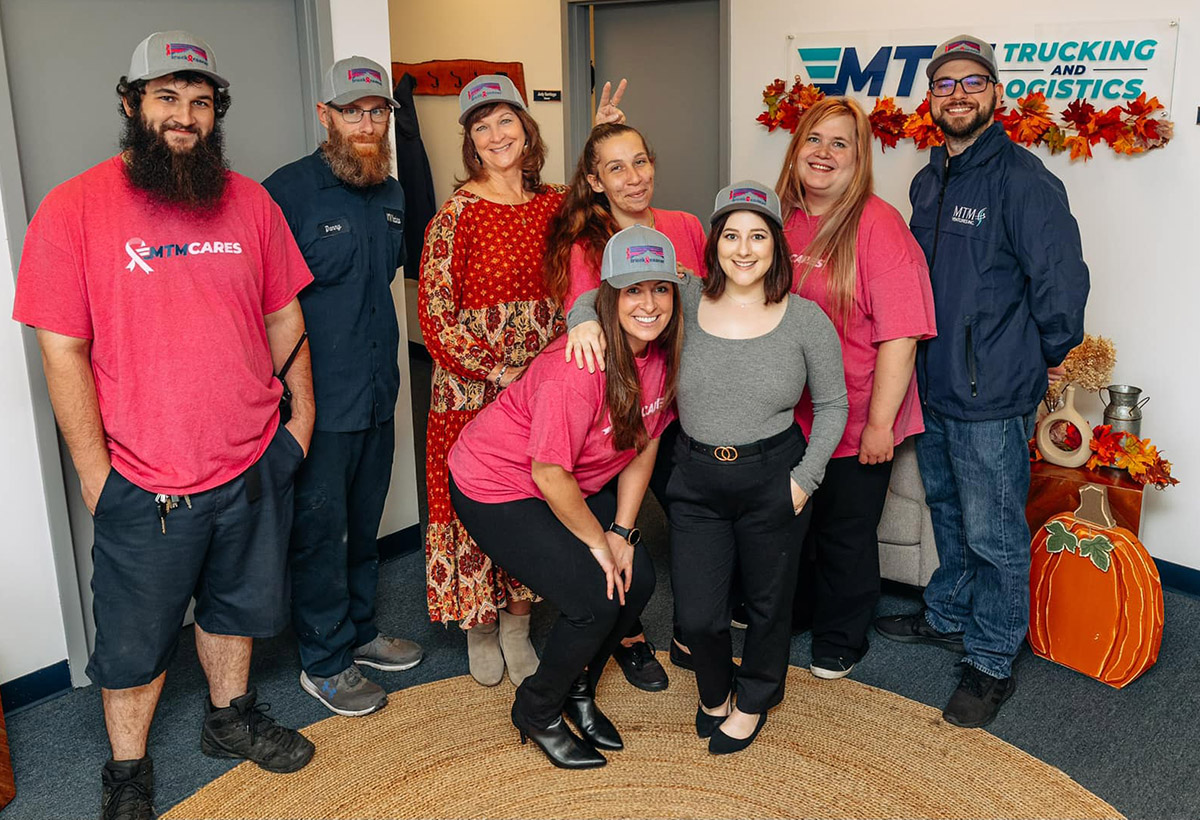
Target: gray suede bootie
pixel 518 652
pixel 483 653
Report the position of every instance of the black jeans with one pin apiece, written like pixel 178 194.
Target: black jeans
pixel 736 519
pixel 843 575
pixel 526 538
pixel 334 556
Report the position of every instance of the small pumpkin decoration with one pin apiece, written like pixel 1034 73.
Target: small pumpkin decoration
pixel 1096 602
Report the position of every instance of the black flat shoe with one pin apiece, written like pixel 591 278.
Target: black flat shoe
pixel 706 724
pixel 580 708
pixel 722 744
pixel 560 744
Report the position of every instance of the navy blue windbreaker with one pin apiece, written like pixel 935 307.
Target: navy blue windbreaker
pixel 1009 280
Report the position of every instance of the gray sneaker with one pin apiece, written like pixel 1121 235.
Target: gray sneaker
pixel 346 693
pixel 389 654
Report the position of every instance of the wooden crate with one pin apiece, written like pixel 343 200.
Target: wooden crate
pixel 8 789
pixel 1054 490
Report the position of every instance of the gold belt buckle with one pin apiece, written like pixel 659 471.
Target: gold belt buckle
pixel 725 453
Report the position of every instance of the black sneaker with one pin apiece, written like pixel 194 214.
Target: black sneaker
pixel 913 628
pixel 640 666
pixel 978 698
pixel 243 730
pixel 127 790
pixel 831 668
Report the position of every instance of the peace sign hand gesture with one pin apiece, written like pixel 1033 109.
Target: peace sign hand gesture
pixel 607 111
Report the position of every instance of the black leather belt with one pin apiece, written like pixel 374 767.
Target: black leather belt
pixel 729 453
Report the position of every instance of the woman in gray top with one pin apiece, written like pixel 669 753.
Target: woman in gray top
pixel 743 471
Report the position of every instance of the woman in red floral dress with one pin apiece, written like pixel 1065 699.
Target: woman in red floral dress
pixel 485 314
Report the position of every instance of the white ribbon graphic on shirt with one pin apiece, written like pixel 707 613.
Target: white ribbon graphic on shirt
pixel 135 258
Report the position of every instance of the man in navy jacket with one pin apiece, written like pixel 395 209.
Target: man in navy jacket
pixel 1009 287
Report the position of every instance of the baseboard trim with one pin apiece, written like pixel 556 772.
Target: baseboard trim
pixel 27 690
pixel 401 542
pixel 1178 578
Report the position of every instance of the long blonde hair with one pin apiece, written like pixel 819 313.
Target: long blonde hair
pixel 835 245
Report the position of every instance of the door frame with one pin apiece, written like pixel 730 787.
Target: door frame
pixel 577 81
pixel 314 31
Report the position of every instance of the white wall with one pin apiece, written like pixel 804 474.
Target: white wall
pixel 32 636
pixel 1138 215
pixel 528 32
pixel 361 27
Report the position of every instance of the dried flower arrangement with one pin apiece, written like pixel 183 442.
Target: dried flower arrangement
pixel 1089 364
pixel 1133 128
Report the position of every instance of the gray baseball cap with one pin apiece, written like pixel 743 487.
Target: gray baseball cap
pixel 354 78
pixel 637 254
pixel 964 47
pixel 484 89
pixel 747 195
pixel 170 52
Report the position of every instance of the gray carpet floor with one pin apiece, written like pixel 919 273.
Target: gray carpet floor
pixel 1137 748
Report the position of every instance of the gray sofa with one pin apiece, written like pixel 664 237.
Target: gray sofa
pixel 906 548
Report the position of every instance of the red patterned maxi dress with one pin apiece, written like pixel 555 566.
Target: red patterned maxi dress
pixel 482 301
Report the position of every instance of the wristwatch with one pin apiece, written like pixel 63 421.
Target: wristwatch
pixel 631 536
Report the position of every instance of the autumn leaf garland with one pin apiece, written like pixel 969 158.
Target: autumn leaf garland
pixel 1133 128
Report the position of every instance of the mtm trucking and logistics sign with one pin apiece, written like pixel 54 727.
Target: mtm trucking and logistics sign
pixel 1105 63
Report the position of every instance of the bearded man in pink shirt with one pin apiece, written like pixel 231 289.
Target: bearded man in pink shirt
pixel 163 289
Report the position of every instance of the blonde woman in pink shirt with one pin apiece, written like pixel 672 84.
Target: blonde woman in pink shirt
pixel 853 255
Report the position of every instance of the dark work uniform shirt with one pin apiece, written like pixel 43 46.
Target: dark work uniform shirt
pixel 353 242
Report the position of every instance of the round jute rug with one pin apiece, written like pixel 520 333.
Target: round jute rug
pixel 832 749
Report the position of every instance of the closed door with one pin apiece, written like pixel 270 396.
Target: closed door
pixel 64 58
pixel 670 53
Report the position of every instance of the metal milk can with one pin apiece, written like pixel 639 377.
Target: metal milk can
pixel 1124 411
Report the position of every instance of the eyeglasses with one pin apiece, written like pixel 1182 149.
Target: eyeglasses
pixel 971 84
pixel 352 114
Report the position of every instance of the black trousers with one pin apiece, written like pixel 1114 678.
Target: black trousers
pixel 736 519
pixel 842 577
pixel 334 557
pixel 663 465
pixel 526 538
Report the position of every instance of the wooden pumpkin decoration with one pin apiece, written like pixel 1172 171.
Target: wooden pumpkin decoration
pixel 1096 602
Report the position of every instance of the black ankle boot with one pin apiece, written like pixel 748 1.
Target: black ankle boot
pixel 565 750
pixel 580 708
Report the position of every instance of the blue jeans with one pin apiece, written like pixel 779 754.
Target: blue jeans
pixel 976 476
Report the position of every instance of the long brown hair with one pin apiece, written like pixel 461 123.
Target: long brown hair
pixel 623 388
pixel 585 214
pixel 835 245
pixel 531 162
pixel 778 280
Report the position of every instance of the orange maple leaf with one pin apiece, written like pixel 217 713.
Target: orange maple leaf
pixel 920 129
pixel 1079 147
pixel 887 122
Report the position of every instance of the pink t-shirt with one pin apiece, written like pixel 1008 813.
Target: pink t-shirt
pixel 174 304
pixel 681 228
pixel 554 414
pixel 893 300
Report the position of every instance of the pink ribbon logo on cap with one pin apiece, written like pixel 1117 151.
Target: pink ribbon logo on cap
pixel 483 90
pixel 748 195
pixel 187 51
pixel 645 254
pixel 364 75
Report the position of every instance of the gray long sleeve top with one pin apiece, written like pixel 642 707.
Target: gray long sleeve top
pixel 737 391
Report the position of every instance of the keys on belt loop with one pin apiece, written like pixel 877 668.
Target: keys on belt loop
pixel 165 503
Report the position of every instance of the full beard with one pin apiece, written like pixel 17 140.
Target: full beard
pixel 194 178
pixel 356 169
pixel 970 128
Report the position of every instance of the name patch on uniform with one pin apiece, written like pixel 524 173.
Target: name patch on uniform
pixel 395 219
pixel 333 227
